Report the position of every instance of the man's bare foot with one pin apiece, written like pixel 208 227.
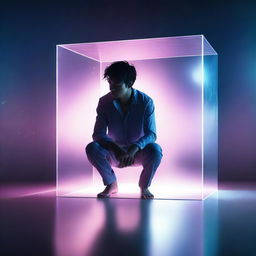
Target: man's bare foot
pixel 109 190
pixel 146 194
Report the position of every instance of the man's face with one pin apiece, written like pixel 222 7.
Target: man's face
pixel 117 88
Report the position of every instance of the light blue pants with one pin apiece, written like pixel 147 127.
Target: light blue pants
pixel 102 159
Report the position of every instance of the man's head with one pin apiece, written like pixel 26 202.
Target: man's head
pixel 121 77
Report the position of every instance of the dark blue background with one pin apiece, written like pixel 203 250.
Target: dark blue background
pixel 31 30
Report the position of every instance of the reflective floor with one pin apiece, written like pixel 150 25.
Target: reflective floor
pixel 34 222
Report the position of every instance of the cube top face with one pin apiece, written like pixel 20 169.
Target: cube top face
pixel 180 75
pixel 143 49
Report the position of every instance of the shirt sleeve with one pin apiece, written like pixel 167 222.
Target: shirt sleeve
pixel 149 126
pixel 100 127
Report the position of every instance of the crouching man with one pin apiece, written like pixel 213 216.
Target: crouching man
pixel 128 116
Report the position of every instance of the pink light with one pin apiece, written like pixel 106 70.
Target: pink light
pixel 26 190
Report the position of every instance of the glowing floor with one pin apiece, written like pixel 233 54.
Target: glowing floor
pixel 132 191
pixel 34 222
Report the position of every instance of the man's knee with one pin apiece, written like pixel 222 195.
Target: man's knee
pixel 154 150
pixel 92 148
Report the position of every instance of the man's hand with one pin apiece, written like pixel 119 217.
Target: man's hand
pixel 128 158
pixel 118 151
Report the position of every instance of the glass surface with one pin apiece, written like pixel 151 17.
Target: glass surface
pixel 78 83
pixel 180 75
pixel 210 120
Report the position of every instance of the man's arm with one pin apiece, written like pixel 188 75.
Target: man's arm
pixel 149 126
pixel 100 129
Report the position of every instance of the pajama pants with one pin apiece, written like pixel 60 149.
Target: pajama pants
pixel 102 159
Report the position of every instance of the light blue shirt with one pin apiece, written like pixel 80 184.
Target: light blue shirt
pixel 137 126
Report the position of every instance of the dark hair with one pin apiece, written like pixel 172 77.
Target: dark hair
pixel 121 71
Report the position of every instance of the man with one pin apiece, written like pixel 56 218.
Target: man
pixel 128 115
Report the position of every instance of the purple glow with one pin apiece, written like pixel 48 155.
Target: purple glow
pixel 180 74
pixel 26 190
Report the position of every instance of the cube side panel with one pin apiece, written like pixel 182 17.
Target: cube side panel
pixel 78 77
pixel 210 133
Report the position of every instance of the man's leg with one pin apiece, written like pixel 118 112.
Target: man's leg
pixel 99 157
pixel 150 158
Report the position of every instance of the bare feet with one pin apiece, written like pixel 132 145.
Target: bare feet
pixel 146 194
pixel 109 190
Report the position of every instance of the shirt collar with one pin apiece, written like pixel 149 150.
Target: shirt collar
pixel 133 101
pixel 134 97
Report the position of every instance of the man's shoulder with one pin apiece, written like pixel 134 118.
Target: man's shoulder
pixel 142 97
pixel 105 99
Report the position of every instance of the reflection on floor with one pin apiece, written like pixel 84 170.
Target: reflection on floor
pixel 34 222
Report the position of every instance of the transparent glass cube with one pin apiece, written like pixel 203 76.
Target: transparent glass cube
pixel 180 75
